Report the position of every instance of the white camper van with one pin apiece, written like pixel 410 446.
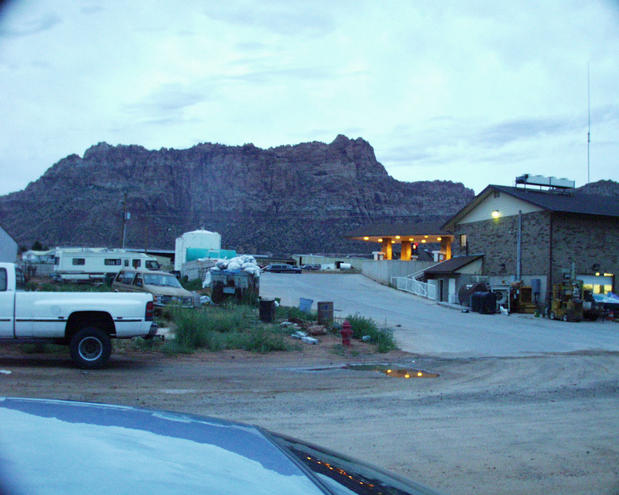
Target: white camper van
pixel 88 264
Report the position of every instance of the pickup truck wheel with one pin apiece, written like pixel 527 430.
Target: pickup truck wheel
pixel 90 348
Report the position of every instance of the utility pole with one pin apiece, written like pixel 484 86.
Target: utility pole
pixel 588 120
pixel 126 217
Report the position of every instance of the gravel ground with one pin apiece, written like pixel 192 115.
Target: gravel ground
pixel 543 424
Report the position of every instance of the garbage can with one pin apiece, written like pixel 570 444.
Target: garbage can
pixel 267 310
pixel 325 312
pixel 305 305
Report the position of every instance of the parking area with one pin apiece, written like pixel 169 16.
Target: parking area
pixel 424 327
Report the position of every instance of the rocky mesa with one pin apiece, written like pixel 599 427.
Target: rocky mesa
pixel 286 199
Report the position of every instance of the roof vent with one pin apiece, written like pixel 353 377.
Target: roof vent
pixel 550 182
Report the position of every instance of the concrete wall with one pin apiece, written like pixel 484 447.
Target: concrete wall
pixel 8 247
pixel 381 271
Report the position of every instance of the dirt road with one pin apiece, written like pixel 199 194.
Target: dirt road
pixel 544 424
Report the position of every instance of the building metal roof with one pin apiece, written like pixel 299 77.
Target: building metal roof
pixel 452 265
pixel 564 201
pixel 392 229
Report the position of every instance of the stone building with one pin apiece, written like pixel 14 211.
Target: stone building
pixel 540 237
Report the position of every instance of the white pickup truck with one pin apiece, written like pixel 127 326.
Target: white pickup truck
pixel 85 321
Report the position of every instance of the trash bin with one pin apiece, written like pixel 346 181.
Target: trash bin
pixel 305 305
pixel 267 310
pixel 325 312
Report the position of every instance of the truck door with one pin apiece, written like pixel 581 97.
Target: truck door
pixel 7 299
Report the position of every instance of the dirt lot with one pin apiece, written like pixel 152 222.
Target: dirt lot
pixel 544 424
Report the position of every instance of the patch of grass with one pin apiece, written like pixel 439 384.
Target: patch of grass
pixel 218 328
pixel 381 337
pixel 42 348
pixel 288 312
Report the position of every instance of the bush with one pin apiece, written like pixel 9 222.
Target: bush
pixel 218 328
pixel 381 337
pixel 288 312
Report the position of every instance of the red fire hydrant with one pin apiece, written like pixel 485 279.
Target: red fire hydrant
pixel 346 333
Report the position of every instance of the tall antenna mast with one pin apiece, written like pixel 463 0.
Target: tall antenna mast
pixel 588 120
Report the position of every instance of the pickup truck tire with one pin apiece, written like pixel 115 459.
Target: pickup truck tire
pixel 90 348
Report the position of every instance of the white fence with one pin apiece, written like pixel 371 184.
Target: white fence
pixel 408 284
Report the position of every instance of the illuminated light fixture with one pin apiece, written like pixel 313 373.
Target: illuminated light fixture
pixel 496 213
pixel 423 241
pixel 426 236
pixel 388 371
pixel 419 373
pixel 380 240
pixel 597 274
pixel 407 375
pixel 439 238
pixel 608 274
pixel 392 241
pixel 397 236
pixel 366 238
pixel 411 239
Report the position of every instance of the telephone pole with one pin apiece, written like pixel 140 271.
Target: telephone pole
pixel 126 217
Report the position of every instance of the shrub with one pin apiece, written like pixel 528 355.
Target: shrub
pixel 288 312
pixel 381 337
pixel 218 328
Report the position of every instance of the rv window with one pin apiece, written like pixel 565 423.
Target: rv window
pixel 79 261
pixel 126 262
pixel 56 260
pixel 137 263
pixel 2 279
pixel 152 265
pixel 111 262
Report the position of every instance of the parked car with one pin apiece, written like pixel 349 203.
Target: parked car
pixel 311 267
pixel 164 287
pixel 52 446
pixel 85 321
pixel 282 268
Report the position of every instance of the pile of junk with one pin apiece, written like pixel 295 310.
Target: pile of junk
pixel 238 277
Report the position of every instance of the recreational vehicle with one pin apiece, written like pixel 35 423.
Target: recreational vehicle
pixel 90 264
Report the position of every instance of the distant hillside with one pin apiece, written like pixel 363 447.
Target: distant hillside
pixel 286 199
pixel 602 188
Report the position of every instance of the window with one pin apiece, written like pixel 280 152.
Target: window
pixel 20 279
pixel 79 261
pixel 152 265
pixel 463 240
pixel 126 262
pixel 56 260
pixel 136 263
pixel 2 279
pixel 111 262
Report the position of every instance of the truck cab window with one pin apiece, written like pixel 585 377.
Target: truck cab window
pixel 138 282
pixel 2 279
pixel 20 279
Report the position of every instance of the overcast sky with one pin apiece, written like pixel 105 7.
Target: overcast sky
pixel 471 91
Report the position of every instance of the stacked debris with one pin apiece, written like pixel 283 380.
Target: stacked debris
pixel 238 277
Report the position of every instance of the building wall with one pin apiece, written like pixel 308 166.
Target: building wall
pixel 587 241
pixel 505 204
pixel 8 247
pixel 496 239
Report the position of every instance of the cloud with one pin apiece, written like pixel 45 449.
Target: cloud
pixel 169 98
pixel 276 18
pixel 526 128
pixel 30 27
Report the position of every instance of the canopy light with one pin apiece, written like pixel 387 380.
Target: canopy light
pixel 366 238
pixel 496 213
